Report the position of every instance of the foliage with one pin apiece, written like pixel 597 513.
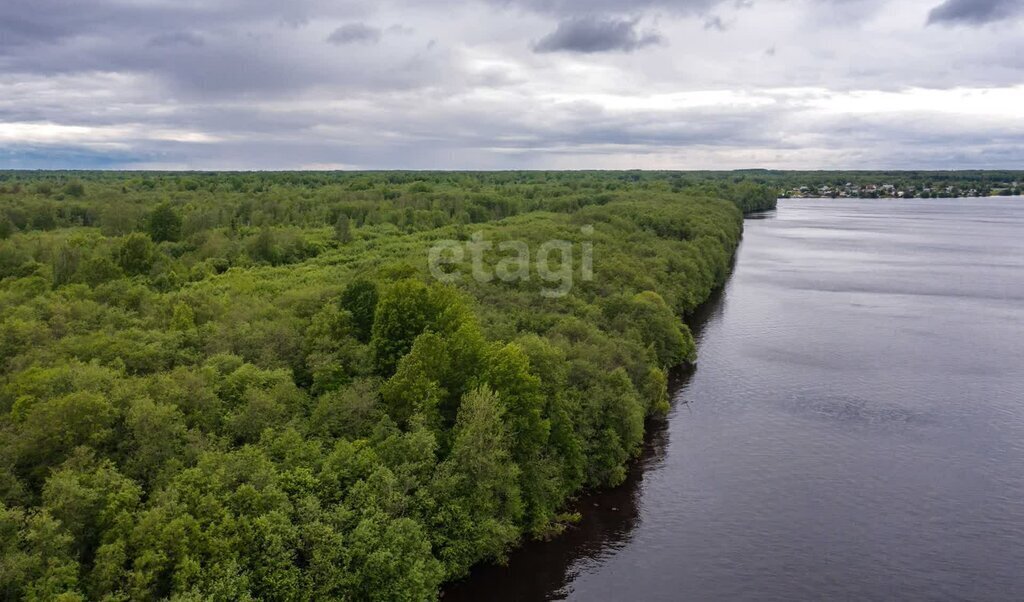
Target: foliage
pixel 135 255
pixel 360 299
pixel 164 224
pixel 256 391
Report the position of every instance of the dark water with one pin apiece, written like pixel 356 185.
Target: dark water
pixel 854 429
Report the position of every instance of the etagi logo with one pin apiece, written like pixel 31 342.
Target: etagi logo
pixel 553 261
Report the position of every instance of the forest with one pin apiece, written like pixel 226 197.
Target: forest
pixel 249 386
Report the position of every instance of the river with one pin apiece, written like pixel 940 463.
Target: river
pixel 854 428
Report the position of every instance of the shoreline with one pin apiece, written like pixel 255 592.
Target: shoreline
pixel 606 514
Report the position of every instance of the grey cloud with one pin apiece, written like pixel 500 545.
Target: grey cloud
pixel 438 135
pixel 178 38
pixel 214 50
pixel 593 34
pixel 260 84
pixel 400 29
pixel 974 12
pixel 16 30
pixel 714 22
pixel 232 65
pixel 580 8
pixel 352 33
pixel 43 22
pixel 294 21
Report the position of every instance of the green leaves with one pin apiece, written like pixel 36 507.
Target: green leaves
pixel 53 428
pixel 360 299
pixel 94 501
pixel 135 255
pixel 391 560
pixel 36 558
pixel 661 329
pixel 477 489
pixel 164 224
pixel 249 402
pixel 407 309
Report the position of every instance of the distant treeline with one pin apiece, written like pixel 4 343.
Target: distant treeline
pixel 926 184
pixel 119 203
pixel 250 387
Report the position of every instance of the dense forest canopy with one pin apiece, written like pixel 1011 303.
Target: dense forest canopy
pixel 250 386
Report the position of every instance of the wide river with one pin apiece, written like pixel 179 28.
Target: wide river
pixel 854 428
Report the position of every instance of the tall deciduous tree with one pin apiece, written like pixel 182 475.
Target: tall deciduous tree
pixel 360 299
pixel 407 309
pixel 477 486
pixel 135 255
pixel 343 229
pixel 164 224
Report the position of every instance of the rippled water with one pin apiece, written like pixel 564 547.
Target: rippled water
pixel 854 428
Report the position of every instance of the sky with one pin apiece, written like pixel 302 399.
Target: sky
pixel 511 84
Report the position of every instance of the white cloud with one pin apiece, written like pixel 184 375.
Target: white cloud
pixel 119 135
pixel 1002 104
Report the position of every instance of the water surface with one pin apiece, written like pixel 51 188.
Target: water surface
pixel 854 428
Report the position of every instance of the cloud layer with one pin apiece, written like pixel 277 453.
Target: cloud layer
pixel 492 84
pixel 354 33
pixel 974 11
pixel 591 34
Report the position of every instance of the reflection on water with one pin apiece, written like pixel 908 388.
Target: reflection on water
pixel 544 570
pixel 854 428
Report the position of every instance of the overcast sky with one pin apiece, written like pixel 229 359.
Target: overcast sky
pixel 510 84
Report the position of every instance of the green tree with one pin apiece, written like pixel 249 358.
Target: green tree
pixel 98 269
pixel 164 224
pixel 65 264
pixel 343 229
pixel 391 560
pixel 434 375
pixel 264 247
pixel 96 503
pixel 119 218
pixel 477 487
pixel 407 309
pixel 156 441
pixel 6 227
pixel 36 558
pixel 660 328
pixel 615 417
pixel 507 371
pixel 53 428
pixel 349 412
pixel 136 254
pixel 75 188
pixel 360 299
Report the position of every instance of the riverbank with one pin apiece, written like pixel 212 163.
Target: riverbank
pixel 544 569
pixel 850 429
